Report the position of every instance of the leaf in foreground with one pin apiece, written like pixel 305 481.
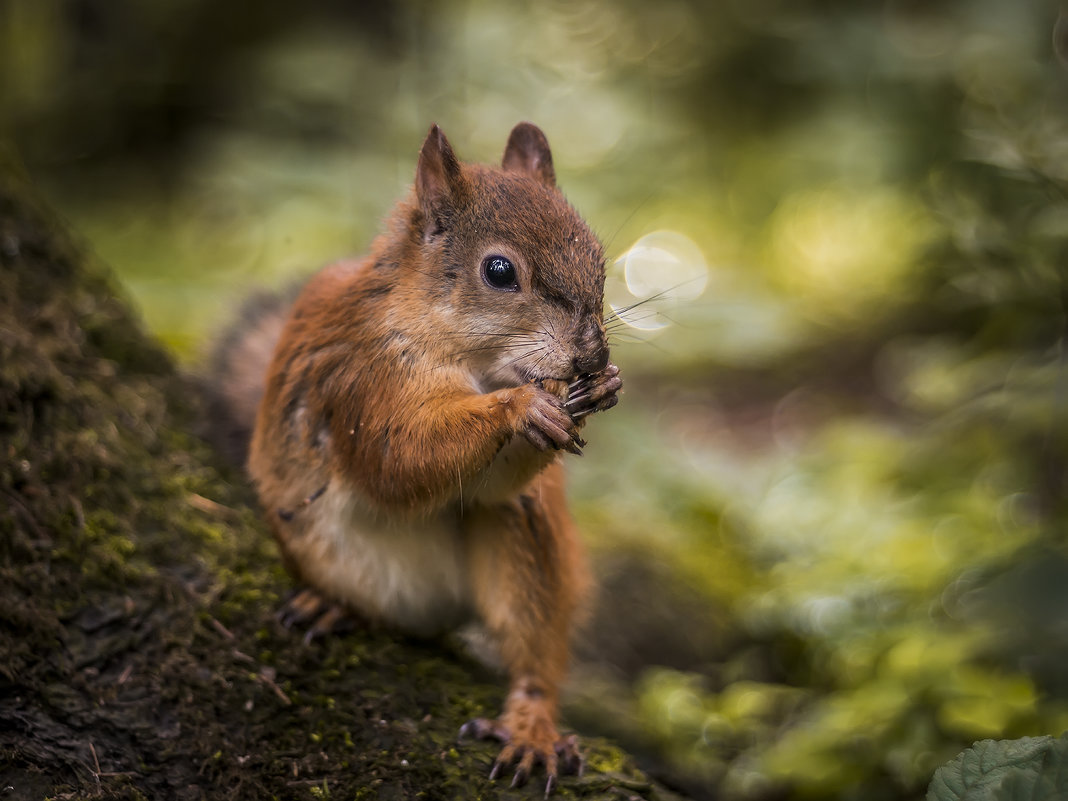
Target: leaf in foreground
pixel 1028 769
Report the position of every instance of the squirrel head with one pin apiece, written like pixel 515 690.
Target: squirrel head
pixel 516 277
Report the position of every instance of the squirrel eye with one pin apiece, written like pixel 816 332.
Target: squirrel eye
pixel 499 273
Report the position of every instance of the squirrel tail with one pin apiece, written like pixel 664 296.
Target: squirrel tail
pixel 237 369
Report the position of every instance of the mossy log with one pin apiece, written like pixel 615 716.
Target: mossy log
pixel 139 654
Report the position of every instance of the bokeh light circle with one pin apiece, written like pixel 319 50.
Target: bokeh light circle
pixel 660 271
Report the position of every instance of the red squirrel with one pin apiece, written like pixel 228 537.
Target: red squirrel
pixel 410 409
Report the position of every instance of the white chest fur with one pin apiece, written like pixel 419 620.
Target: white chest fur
pixel 411 574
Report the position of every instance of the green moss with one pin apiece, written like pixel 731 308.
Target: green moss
pixel 605 759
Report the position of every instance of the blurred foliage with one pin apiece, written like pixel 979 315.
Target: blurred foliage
pixel 829 516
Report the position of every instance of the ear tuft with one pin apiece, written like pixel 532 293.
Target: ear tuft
pixel 439 182
pixel 528 151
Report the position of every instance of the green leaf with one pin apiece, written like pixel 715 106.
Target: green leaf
pixel 1028 769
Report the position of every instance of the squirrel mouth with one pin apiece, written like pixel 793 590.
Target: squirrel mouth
pixel 534 377
pixel 531 374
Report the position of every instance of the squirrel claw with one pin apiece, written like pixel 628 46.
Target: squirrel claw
pixel 606 403
pixel 576 401
pixel 520 777
pixel 506 757
pixel 483 729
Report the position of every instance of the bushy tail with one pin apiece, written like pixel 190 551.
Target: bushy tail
pixel 237 371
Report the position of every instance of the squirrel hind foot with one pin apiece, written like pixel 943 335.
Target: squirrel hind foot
pixel 306 606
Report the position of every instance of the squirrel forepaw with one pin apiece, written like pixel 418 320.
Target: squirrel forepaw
pixel 553 410
pixel 594 392
pixel 547 424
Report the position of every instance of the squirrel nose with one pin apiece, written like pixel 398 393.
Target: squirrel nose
pixel 592 362
pixel 592 351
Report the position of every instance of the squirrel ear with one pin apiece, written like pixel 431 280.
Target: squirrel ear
pixel 528 151
pixel 439 184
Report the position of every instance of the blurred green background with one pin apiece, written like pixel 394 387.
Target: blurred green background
pixel 829 516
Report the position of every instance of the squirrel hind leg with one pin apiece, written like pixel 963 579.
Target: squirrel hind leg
pixel 528 590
